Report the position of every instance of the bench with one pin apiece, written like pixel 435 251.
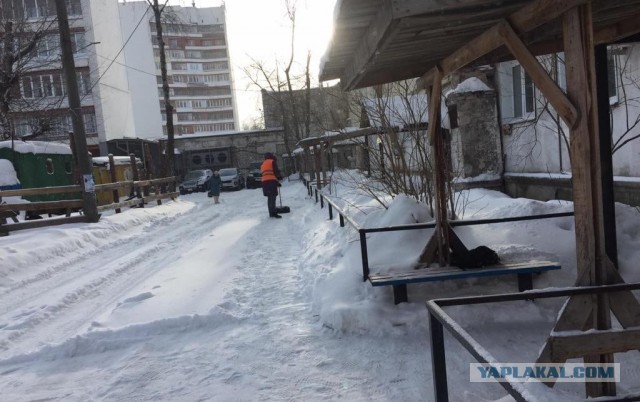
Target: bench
pixel 400 280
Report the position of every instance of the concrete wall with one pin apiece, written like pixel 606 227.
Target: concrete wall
pixel 475 143
pixel 114 111
pixel 533 144
pixel 554 188
pixel 243 148
pixel 142 78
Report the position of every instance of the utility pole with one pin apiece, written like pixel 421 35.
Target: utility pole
pixel 90 206
pixel 169 151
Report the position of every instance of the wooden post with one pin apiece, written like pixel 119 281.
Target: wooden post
pixel 606 158
pixel 322 164
pixel 112 174
pixel 317 157
pixel 438 154
pixel 586 171
pixel 90 207
pixel 136 177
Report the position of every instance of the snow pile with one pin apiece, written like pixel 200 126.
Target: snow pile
pixel 37 147
pixel 21 252
pixel 190 301
pixel 472 84
pixel 8 175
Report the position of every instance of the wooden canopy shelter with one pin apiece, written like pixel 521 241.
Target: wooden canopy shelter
pixel 321 144
pixel 381 41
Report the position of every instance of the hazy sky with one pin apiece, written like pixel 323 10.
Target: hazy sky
pixel 260 29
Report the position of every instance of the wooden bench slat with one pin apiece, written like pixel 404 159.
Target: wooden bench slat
pixel 446 273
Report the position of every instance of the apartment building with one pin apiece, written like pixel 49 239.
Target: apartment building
pixel 198 68
pixel 40 109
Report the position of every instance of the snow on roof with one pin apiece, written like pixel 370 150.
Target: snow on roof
pixel 117 160
pixel 472 84
pixel 8 175
pixel 37 147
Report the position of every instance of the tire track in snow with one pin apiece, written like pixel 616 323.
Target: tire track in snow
pixel 90 293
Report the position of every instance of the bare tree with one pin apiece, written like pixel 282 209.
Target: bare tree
pixel 28 45
pixel 627 87
pixel 399 155
pixel 288 85
pixel 624 111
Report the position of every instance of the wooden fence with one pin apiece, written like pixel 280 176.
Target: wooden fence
pixel 141 192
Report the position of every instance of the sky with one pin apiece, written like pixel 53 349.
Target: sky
pixel 190 301
pixel 259 29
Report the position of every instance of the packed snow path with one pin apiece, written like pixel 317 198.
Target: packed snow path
pixel 191 301
pixel 203 302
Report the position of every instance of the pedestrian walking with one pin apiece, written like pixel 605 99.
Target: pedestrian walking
pixel 215 183
pixel 271 177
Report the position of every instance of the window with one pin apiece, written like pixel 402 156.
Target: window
pixel 89 120
pixel 523 93
pixel 196 160
pixel 84 82
pixel 78 44
pixel 49 164
pixel 27 87
pixel 48 47
pixel 47 85
pixel 74 8
pixel 39 8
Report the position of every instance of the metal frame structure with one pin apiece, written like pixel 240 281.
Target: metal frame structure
pixel 439 319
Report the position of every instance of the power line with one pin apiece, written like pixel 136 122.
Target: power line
pixel 122 48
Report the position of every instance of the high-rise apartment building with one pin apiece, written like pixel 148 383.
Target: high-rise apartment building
pixel 39 108
pixel 198 68
pixel 117 61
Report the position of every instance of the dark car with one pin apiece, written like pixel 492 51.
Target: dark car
pixel 196 181
pixel 254 177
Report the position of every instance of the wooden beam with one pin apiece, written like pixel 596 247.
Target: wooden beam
pixel 409 8
pixel 533 15
pixel 618 31
pixel 42 206
pixel 586 170
pixel 40 223
pixel 540 77
pixel 571 346
pixel 434 104
pixel 41 191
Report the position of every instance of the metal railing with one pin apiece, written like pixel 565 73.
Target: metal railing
pixel 439 319
pixel 362 232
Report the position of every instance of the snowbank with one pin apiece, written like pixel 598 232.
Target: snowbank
pixel 37 147
pixel 8 175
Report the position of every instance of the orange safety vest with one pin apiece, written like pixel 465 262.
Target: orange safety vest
pixel 267 170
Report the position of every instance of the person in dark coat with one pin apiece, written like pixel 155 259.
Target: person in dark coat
pixel 271 177
pixel 215 183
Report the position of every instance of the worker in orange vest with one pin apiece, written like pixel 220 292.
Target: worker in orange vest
pixel 271 177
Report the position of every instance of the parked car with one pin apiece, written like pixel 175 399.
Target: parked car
pixel 232 178
pixel 196 181
pixel 254 177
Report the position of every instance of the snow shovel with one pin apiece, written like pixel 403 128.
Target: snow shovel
pixel 281 209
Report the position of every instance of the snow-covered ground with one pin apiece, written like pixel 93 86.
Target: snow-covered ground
pixel 192 301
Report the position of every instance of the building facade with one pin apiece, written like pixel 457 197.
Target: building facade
pixel 40 110
pixel 198 68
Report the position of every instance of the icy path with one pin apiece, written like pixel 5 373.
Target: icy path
pixel 202 304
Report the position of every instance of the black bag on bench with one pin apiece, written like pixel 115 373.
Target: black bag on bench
pixel 479 257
